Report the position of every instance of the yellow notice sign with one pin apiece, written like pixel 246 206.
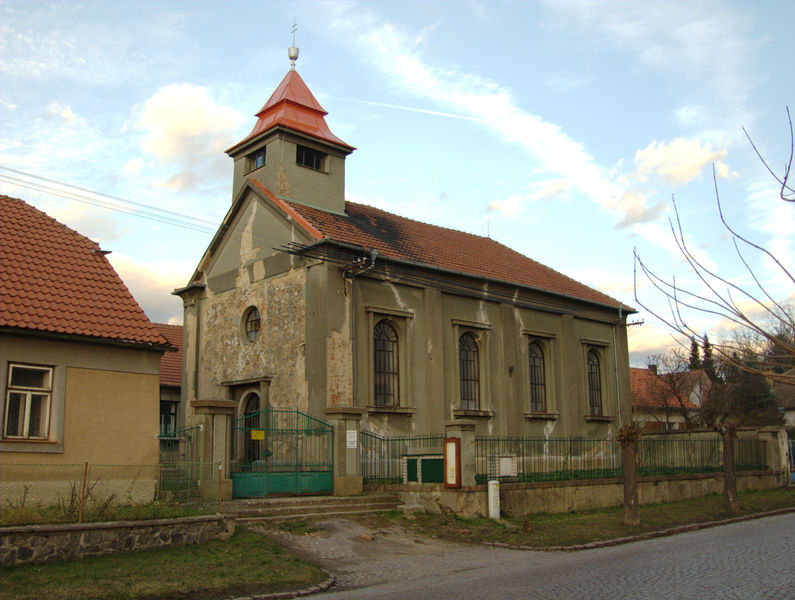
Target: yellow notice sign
pixel 257 434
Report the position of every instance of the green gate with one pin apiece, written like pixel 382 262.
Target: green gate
pixel 282 451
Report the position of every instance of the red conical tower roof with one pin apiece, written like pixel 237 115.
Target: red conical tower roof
pixel 293 106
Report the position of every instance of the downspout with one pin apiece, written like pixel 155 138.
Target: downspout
pixel 373 254
pixel 615 358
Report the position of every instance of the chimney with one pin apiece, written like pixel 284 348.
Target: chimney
pixel 653 369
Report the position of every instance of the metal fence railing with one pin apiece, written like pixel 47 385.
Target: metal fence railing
pixel 382 458
pixel 547 459
pixel 31 493
pixel 180 446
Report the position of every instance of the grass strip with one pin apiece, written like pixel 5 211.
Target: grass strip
pixel 568 529
pixel 245 564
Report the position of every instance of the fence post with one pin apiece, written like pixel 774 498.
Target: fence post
pixel 219 487
pixel 83 492
pixel 628 436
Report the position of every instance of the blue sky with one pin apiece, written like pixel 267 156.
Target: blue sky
pixel 561 129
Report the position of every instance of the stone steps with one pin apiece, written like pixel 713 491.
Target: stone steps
pixel 307 507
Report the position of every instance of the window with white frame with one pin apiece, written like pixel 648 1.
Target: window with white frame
pixel 27 407
pixel 538 387
pixel 594 383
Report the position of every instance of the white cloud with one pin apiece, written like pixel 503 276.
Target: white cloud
pixel 133 167
pixel 63 112
pixel 187 132
pixel 678 161
pixel 550 189
pixel 151 285
pixel 180 116
pixel 704 44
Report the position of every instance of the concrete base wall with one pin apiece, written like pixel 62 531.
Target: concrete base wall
pixel 521 499
pixel 44 543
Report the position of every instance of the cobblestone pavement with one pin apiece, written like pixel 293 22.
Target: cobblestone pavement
pixel 747 560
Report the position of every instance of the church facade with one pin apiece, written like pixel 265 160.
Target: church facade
pixel 374 322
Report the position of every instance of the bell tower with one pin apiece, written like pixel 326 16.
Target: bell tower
pixel 291 150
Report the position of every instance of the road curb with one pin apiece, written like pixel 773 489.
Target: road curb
pixel 643 536
pixel 315 589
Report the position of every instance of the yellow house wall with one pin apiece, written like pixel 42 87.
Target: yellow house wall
pixel 104 406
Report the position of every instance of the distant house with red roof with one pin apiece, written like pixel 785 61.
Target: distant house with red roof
pixel 377 323
pixel 171 417
pixel 667 402
pixel 79 359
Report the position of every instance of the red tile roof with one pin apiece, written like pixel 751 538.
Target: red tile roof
pixel 171 362
pixel 54 280
pixel 650 390
pixel 405 239
pixel 293 106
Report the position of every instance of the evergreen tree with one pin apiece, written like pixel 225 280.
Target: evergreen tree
pixel 708 362
pixel 695 355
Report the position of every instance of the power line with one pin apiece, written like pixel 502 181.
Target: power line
pixel 129 207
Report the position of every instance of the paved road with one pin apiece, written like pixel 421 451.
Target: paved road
pixel 748 560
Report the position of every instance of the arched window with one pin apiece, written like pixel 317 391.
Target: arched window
pixel 251 322
pixel 252 418
pixel 594 383
pixel 538 391
pixel 469 370
pixel 385 364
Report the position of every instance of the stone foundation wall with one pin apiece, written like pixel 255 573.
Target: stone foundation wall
pixel 44 543
pixel 521 499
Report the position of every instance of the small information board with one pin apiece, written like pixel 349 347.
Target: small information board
pixel 257 434
pixel 452 462
pixel 350 438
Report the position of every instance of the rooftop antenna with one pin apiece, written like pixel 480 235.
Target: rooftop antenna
pixel 292 52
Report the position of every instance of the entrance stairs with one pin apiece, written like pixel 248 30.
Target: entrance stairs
pixel 306 507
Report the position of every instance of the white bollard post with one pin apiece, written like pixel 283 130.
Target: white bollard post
pixel 494 500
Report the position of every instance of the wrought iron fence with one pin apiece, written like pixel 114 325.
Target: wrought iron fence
pixel 524 459
pixel 181 446
pixel 382 458
pixel 546 459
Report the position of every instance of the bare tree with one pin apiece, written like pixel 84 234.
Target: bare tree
pixel 680 389
pixel 752 310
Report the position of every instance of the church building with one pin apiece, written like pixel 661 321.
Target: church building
pixel 349 319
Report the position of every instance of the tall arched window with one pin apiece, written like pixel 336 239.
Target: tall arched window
pixel 252 418
pixel 538 391
pixel 594 383
pixel 469 369
pixel 385 364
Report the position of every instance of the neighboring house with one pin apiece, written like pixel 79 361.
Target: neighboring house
pixel 785 396
pixel 376 322
pixel 666 402
pixel 79 359
pixel 172 417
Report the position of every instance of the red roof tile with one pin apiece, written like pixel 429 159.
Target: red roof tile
pixel 171 362
pixel 405 239
pixel 293 106
pixel 650 390
pixel 55 280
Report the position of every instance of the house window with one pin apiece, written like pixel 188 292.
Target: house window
pixel 594 383
pixel 538 391
pixel 27 410
pixel 256 160
pixel 168 418
pixel 469 370
pixel 309 157
pixel 251 322
pixel 385 364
